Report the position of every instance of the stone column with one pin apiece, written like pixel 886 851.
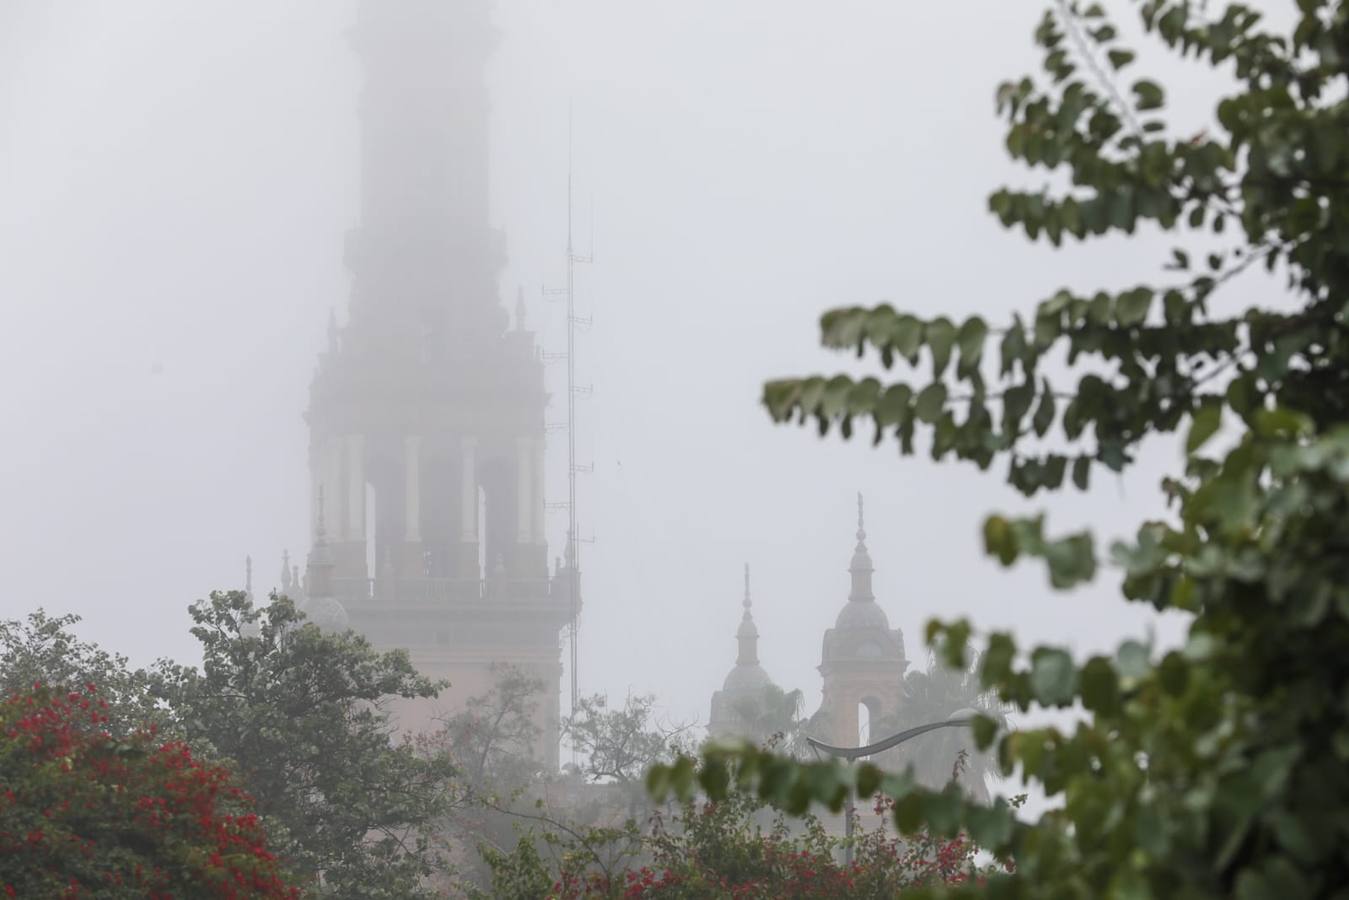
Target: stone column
pixel 347 507
pixel 524 490
pixel 468 490
pixel 354 499
pixel 466 563
pixel 536 498
pixel 412 497
pixel 326 469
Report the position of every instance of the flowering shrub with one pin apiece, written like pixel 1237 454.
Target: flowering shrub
pixel 724 849
pixel 83 814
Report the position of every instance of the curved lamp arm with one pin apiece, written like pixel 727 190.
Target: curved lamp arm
pixel 853 753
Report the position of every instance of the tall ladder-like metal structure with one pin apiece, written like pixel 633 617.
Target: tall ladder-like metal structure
pixel 573 467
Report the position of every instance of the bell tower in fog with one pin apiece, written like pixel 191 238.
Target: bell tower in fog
pixel 426 412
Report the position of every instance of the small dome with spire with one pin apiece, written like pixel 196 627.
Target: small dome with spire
pixel 747 679
pixel 320 606
pixel 862 629
pixel 327 613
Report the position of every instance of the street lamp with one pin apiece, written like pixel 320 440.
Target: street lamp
pixel 959 718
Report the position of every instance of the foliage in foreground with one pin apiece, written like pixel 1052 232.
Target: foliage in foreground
pixel 83 813
pixel 1220 768
pixel 932 695
pixel 296 713
pixel 300 713
pixel 728 848
pixel 42 649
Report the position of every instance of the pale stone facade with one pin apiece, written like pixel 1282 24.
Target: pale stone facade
pixel 426 412
pixel 862 665
pixel 862 660
pixel 745 684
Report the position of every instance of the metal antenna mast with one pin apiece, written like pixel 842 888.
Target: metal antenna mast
pixel 573 536
pixel 574 540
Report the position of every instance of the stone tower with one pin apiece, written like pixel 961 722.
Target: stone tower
pixel 862 662
pixel 426 412
pixel 746 684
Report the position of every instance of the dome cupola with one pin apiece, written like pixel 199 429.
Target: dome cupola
pixel 862 629
pixel 747 680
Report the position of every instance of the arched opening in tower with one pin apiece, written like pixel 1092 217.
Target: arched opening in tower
pixel 483 569
pixel 371 529
pixel 868 711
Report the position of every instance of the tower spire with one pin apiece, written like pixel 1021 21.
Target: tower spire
pixel 861 567
pixel 747 634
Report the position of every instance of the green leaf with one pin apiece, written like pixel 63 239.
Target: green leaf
pixel 1131 307
pixel 995 663
pixel 952 642
pixel 1174 673
pixel 907 337
pixel 658 782
pixel 1082 472
pixel 714 777
pixel 1206 423
pixel 1147 95
pixel 1119 58
pixel 942 811
pixel 991 827
pixel 1016 401
pixel 1282 423
pixel 930 403
pixel 971 341
pixel 985 730
pixel 1052 677
pixel 999 540
pixel 893 406
pixel 1044 412
pixel 909 813
pixel 682 777
pixel 940 335
pixel 1100 686
pixel 868 780
pixel 1014 349
pixel 1133 661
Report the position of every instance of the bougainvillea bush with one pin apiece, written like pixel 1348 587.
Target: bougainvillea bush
pixel 85 814
pixel 728 849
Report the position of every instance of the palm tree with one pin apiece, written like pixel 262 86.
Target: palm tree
pixel 773 716
pixel 933 696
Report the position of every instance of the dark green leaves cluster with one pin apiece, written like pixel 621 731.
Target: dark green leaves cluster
pixel 1219 768
pixel 1214 769
pixel 299 714
pixel 1146 356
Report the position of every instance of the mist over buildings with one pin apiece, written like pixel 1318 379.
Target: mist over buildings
pixel 179 180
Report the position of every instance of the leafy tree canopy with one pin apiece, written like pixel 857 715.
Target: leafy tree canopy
pixel 1220 768
pixel 42 649
pixel 620 743
pixel 299 711
pixel 492 741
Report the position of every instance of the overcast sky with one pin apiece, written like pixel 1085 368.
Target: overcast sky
pixel 176 180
